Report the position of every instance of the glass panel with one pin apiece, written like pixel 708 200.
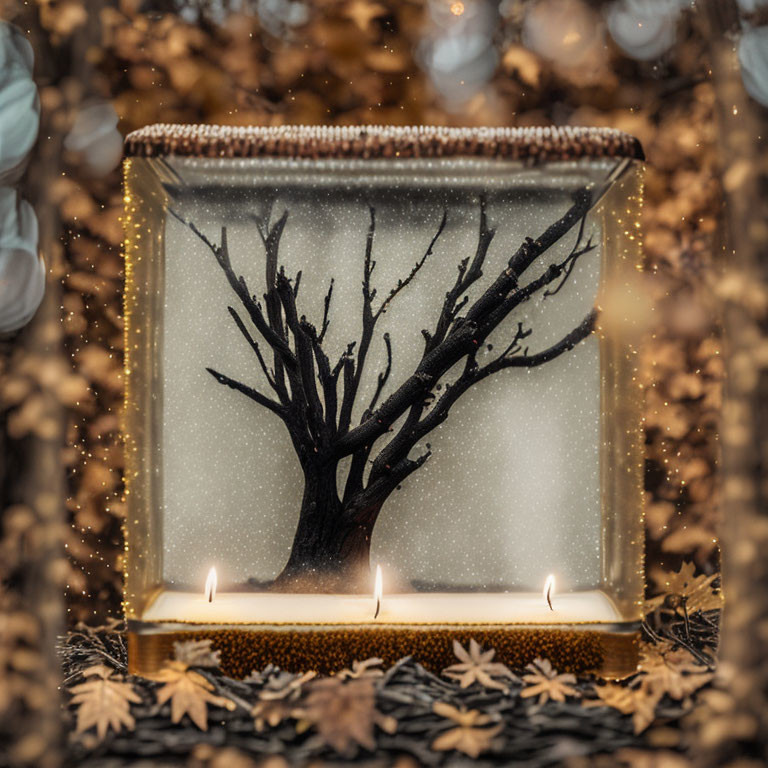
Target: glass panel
pixel 537 469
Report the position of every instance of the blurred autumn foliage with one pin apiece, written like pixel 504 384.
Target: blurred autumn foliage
pixel 363 61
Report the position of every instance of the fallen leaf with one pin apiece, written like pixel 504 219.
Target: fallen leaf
pixel 544 682
pixel 477 667
pixel 189 693
pixel 469 736
pixel 697 591
pixel 104 702
pixel 636 702
pixel 344 714
pixel 675 673
pixel 663 671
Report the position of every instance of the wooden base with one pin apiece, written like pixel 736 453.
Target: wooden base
pixel 324 649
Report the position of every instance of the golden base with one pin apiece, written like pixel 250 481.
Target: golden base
pixel 329 649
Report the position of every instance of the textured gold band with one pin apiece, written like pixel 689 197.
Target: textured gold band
pixel 609 654
pixel 530 144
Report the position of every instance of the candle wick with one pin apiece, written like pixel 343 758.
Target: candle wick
pixel 378 607
pixel 549 598
pixel 210 597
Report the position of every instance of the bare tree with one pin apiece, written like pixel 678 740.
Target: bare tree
pixel 315 397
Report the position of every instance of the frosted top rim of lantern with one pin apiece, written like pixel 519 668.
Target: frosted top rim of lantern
pixel 530 144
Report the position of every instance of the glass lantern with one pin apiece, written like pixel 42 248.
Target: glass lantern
pixel 381 394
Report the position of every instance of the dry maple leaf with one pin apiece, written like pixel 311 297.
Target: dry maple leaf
pixel 196 653
pixel 368 668
pixel 544 682
pixel 189 693
pixel 477 666
pixel 663 671
pixel 344 714
pixel 635 702
pixel 469 736
pixel 697 591
pixel 103 701
pixel 672 672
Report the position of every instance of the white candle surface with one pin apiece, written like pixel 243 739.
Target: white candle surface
pixel 409 609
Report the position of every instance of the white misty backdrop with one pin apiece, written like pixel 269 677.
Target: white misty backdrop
pixel 512 490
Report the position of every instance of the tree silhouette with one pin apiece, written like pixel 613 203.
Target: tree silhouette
pixel 315 397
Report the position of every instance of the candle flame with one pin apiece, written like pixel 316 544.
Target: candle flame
pixel 210 585
pixel 549 588
pixel 378 590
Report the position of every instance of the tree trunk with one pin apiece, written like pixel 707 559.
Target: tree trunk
pixel 331 547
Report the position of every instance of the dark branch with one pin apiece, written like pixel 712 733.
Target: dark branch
pixel 370 318
pixel 468 275
pixel 472 374
pixel 305 356
pixel 510 358
pixel 525 255
pixel 352 382
pixel 249 392
pixel 463 338
pixel 255 347
pixel 326 310
pixel 569 262
pixel 345 355
pixel 518 297
pixel 239 286
pixel 382 377
pixel 401 284
pixel 383 485
pixel 271 237
pixel 309 409
pixel 327 380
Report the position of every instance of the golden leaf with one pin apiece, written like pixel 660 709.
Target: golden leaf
pixel 469 736
pixel 697 591
pixel 545 683
pixel 189 693
pixel 103 701
pixel 645 711
pixel 672 672
pixel 477 667
pixel 664 671
pixel 344 714
pixel 639 703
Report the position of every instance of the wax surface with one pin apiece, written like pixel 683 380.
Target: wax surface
pixel 436 608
